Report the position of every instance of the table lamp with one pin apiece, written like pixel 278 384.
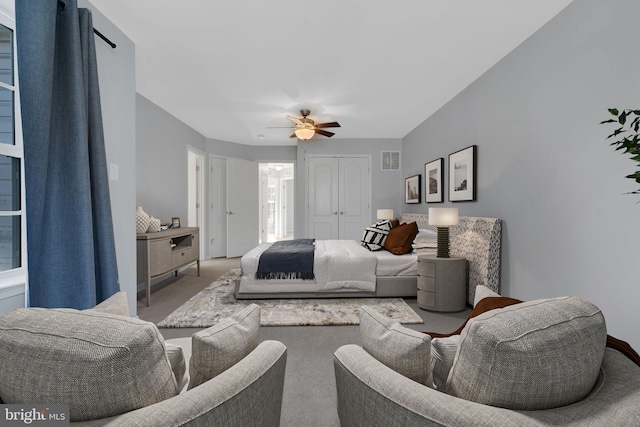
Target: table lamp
pixel 443 218
pixel 384 213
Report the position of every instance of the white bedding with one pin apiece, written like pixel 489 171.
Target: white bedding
pixel 338 266
pixel 395 265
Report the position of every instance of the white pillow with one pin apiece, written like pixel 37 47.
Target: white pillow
pixel 175 354
pixel 402 349
pixel 375 235
pixel 443 353
pixel 483 292
pixel 426 236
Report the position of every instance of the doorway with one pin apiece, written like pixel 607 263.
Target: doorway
pixel 277 192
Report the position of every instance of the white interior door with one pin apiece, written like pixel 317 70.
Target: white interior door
pixel 354 197
pixel 323 181
pixel 218 210
pixel 243 219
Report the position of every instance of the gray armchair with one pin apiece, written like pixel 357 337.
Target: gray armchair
pixel 114 370
pixel 499 373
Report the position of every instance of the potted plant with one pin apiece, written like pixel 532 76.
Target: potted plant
pixel 629 123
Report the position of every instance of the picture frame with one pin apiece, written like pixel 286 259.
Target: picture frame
pixel 412 190
pixel 434 181
pixel 175 222
pixel 463 174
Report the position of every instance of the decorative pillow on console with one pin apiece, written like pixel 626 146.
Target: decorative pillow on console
pixel 375 235
pixel 216 349
pixel 535 355
pixel 400 238
pixel 142 220
pixel 402 349
pixel 100 364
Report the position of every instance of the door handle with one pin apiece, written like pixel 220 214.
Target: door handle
pixel 230 213
pixel 335 213
pixel 341 213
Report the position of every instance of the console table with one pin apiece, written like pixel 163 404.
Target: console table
pixel 165 251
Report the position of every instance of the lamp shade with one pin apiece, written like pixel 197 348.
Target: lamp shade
pixel 385 214
pixel 443 216
pixel 305 133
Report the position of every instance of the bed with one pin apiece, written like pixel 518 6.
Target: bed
pixel 343 268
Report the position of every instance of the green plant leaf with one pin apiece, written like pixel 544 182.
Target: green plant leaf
pixel 609 121
pixel 622 118
pixel 613 111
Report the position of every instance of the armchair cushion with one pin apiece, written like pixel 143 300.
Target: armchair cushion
pixel 100 364
pixel 535 355
pixel 402 349
pixel 216 349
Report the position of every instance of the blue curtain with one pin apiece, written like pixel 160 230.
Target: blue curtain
pixel 71 250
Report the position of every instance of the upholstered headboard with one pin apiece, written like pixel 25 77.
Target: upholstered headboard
pixel 478 240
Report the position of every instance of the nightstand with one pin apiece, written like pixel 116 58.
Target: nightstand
pixel 442 283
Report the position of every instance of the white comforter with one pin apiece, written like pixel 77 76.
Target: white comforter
pixel 339 266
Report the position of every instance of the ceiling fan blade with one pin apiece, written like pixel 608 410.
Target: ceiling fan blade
pixel 293 136
pixel 279 127
pixel 328 125
pixel 325 133
pixel 295 119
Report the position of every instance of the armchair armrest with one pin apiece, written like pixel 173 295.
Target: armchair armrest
pixel 371 394
pixel 248 393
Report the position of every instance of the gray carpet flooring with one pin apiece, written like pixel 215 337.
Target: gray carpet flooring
pixel 309 393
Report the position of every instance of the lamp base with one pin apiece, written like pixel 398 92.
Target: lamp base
pixel 443 242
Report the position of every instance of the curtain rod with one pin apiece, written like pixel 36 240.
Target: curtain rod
pixel 109 42
pixel 98 33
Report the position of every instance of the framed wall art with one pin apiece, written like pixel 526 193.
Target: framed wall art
pixel 412 189
pixel 434 177
pixel 462 175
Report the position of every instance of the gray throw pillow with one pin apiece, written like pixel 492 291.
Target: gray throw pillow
pixel 216 349
pixel 402 349
pixel 100 364
pixel 115 304
pixel 535 355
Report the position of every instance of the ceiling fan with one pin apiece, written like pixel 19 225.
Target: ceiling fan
pixel 306 128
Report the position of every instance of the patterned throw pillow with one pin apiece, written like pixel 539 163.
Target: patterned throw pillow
pixel 375 235
pixel 142 220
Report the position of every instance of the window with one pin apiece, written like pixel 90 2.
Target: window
pixel 12 198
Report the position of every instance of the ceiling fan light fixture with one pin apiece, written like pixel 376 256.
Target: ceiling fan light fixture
pixel 304 133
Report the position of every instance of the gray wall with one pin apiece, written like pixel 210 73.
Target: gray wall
pixel 161 165
pixel 116 70
pixel 544 165
pixel 385 185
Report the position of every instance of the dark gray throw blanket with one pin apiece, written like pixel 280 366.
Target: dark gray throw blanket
pixel 289 259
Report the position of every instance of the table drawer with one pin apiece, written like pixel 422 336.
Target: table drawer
pixel 426 299
pixel 180 257
pixel 426 283
pixel 426 268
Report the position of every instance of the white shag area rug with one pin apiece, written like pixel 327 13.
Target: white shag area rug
pixel 217 301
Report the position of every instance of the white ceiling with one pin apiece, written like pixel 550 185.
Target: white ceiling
pixel 231 69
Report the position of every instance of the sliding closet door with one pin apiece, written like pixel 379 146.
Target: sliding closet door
pixel 339 197
pixel 242 207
